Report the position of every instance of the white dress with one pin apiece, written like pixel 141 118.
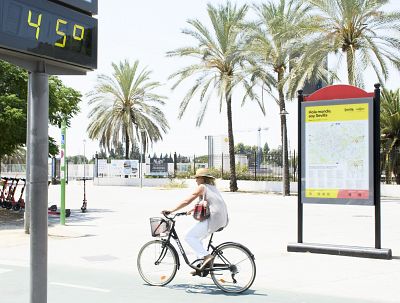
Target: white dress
pixel 218 210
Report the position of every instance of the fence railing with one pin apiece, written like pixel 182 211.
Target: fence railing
pixel 74 171
pixel 254 166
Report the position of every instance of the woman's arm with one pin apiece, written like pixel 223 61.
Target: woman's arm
pixel 197 193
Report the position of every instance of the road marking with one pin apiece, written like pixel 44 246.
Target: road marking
pixel 80 287
pixel 14 263
pixel 2 271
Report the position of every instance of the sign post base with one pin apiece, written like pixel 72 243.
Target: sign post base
pixel 341 250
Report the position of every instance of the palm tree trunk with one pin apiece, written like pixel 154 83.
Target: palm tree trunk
pixel 285 158
pixel 126 145
pixel 233 182
pixel 387 170
pixel 126 148
pixel 350 66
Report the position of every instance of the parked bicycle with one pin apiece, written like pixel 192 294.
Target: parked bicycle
pixel 233 269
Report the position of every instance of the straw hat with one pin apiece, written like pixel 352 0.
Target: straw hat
pixel 204 173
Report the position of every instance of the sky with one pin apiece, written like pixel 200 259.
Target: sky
pixel 145 31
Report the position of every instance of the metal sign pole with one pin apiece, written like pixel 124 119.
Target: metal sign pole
pixel 377 170
pixel 300 99
pixel 38 190
pixel 27 214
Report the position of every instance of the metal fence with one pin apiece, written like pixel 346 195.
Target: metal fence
pixel 74 171
pixel 254 166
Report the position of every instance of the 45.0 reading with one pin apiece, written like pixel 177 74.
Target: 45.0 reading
pixel 78 31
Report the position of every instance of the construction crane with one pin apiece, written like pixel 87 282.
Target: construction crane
pixel 259 129
pixel 211 147
pixel 259 149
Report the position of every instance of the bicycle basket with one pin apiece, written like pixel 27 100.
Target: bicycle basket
pixel 159 226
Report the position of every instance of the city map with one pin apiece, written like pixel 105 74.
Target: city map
pixel 337 151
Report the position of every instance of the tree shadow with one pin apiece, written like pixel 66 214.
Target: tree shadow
pixel 78 218
pixel 14 220
pixel 10 219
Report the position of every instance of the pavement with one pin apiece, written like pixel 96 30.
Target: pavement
pixel 93 257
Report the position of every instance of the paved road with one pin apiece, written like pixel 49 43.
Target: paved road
pixel 93 258
pixel 69 284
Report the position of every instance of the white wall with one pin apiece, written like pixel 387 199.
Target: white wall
pixel 252 186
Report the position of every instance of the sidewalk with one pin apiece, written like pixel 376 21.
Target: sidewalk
pixel 116 225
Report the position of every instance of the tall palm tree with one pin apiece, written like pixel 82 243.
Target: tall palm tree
pixel 125 108
pixel 360 31
pixel 275 44
pixel 390 129
pixel 220 66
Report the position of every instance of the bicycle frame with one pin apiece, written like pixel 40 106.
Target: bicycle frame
pixel 173 234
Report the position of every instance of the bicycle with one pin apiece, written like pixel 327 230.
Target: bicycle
pixel 233 269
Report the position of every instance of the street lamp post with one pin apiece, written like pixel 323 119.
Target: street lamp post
pixel 258 158
pixel 285 175
pixel 84 204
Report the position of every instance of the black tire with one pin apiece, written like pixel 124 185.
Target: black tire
pixel 157 274
pixel 233 269
pixel 16 207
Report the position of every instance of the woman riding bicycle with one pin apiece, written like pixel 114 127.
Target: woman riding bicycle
pixel 218 219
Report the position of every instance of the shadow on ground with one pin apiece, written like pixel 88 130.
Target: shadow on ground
pixel 211 289
pixel 10 219
pixel 274 295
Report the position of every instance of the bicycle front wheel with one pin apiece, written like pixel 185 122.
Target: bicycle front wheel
pixel 157 263
pixel 233 269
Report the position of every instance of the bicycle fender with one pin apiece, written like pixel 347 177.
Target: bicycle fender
pixel 238 244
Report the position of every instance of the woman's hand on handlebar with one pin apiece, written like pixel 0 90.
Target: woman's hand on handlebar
pixel 166 212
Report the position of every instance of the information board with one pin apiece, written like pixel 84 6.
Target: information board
pixel 337 151
pixel 125 167
pixel 102 167
pixel 159 166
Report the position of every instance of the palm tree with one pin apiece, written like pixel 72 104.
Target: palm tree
pixel 124 108
pixel 220 67
pixel 275 44
pixel 359 30
pixel 390 129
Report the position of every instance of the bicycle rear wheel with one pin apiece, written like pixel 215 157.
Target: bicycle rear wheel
pixel 233 269
pixel 157 263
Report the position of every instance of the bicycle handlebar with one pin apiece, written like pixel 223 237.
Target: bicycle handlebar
pixel 167 215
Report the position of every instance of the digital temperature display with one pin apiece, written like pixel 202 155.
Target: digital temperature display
pixel 44 29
